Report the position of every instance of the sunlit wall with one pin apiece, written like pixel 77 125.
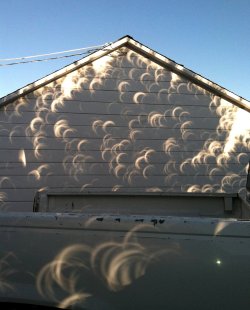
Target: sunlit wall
pixel 122 123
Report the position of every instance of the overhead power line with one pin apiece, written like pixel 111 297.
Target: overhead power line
pixel 46 59
pixel 61 52
pixel 89 49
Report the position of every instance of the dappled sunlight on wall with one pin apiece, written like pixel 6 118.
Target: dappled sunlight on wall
pixel 224 154
pixel 121 123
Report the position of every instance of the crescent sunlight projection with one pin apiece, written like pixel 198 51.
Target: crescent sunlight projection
pixel 121 123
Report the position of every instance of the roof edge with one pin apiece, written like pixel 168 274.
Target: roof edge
pixel 149 53
pixel 193 76
pixel 65 70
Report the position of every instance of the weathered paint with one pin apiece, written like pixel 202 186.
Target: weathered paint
pixel 218 205
pixel 126 262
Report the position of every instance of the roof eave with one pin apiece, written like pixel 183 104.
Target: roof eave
pixel 194 77
pixel 142 49
pixel 61 72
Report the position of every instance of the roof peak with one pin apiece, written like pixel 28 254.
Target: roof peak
pixel 142 49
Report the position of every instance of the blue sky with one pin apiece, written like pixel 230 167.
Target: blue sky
pixel 211 37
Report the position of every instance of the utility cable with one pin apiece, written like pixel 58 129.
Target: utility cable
pixel 89 50
pixel 45 59
pixel 54 53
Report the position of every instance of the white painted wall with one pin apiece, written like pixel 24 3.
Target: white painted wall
pixel 123 124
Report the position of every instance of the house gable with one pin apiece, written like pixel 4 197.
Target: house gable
pixel 121 122
pixel 143 50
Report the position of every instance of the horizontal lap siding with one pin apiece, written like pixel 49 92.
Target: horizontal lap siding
pixel 142 120
pixel 131 180
pixel 105 108
pixel 126 125
pixel 18 142
pixel 100 169
pixel 130 159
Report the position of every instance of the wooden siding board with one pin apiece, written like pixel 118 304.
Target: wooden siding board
pixel 101 168
pixel 73 106
pixel 130 179
pixel 57 156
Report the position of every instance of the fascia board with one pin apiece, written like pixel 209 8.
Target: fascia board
pixel 194 77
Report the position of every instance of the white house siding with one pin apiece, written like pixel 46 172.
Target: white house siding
pixel 122 123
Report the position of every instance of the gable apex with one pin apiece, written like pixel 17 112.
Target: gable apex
pixel 138 47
